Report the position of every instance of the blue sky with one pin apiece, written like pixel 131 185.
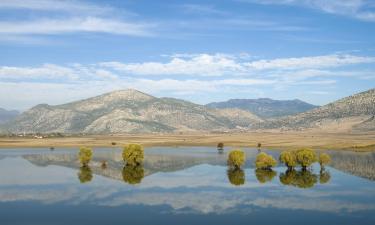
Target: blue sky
pixel 58 51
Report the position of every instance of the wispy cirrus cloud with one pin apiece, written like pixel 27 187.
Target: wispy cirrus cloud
pixel 71 25
pixel 70 6
pixel 62 17
pixel 359 9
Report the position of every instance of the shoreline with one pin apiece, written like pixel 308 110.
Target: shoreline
pixel 282 140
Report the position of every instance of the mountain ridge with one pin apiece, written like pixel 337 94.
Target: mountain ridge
pixel 128 111
pixel 265 107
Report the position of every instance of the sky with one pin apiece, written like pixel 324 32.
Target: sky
pixel 199 50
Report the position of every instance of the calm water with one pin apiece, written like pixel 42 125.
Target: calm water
pixel 185 185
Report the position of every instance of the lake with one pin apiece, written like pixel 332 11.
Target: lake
pixel 181 185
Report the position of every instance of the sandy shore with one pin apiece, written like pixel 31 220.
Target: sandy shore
pixel 358 141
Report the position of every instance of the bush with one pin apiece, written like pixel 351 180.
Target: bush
pixel 85 155
pixel 220 145
pixel 264 176
pixel 289 158
pixel 133 154
pixel 265 161
pixel 133 174
pixel 85 174
pixel 306 157
pixel 236 176
pixel 324 159
pixel 236 158
pixel 259 145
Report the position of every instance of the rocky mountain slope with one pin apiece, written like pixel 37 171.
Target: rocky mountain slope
pixel 265 107
pixel 355 112
pixel 6 115
pixel 128 111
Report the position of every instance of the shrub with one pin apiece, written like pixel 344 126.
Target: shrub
pixel 265 161
pixel 236 176
pixel 259 145
pixel 289 158
pixel 85 155
pixel 306 157
pixel 85 174
pixel 113 143
pixel 236 158
pixel 133 174
pixel 264 176
pixel 133 154
pixel 220 145
pixel 324 159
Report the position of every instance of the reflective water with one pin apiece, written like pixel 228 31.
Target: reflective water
pixel 185 185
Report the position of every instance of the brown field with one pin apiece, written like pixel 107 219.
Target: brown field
pixel 345 141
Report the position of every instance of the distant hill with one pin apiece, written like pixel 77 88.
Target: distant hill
pixel 355 112
pixel 6 115
pixel 128 111
pixel 265 107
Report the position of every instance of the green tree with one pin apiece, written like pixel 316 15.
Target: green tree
pixel 289 158
pixel 236 176
pixel 85 174
pixel 133 174
pixel 265 161
pixel 133 154
pixel 236 158
pixel 264 175
pixel 324 159
pixel 306 157
pixel 85 155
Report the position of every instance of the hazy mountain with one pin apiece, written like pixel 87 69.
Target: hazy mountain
pixel 6 115
pixel 265 107
pixel 128 111
pixel 353 112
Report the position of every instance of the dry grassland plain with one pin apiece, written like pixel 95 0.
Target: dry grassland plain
pixel 282 140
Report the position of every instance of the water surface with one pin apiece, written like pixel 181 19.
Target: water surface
pixel 185 185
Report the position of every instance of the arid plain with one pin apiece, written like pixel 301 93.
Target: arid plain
pixel 317 140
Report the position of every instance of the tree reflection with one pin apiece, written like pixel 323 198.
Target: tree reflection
pixel 133 174
pixel 265 175
pixel 324 176
pixel 300 179
pixel 236 176
pixel 85 174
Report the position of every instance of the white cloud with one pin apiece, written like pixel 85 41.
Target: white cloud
pixel 324 61
pixel 88 24
pixel 187 74
pixel 47 71
pixel 70 6
pixel 202 64
pixel 359 9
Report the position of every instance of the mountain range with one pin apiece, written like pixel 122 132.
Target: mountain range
pixel 128 111
pixel 7 115
pixel 132 111
pixel 265 107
